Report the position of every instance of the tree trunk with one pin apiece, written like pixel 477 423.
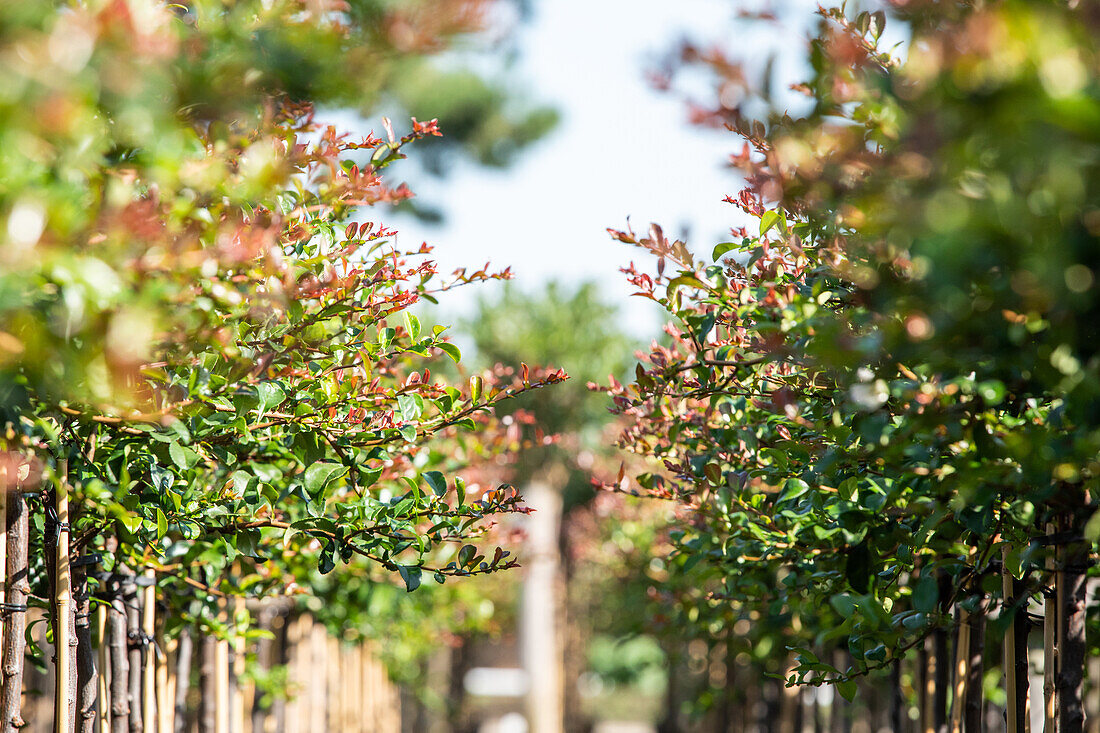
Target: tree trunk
pixel 1050 661
pixel 7 484
pixel 183 678
pixel 897 699
pixel 136 651
pixel 18 586
pixel 87 681
pixel 1071 635
pixel 1015 653
pixel 941 675
pixel 1023 668
pixel 120 663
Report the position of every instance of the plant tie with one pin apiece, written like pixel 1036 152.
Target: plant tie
pixel 139 639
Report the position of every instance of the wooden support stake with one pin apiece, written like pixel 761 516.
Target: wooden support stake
pixel 236 699
pixel 104 707
pixel 221 684
pixel 63 602
pixel 295 702
pixel 962 666
pixel 303 671
pixel 166 688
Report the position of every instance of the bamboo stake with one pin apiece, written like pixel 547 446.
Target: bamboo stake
pixel 1012 724
pixel 370 697
pixel 63 603
pixel 236 699
pixel 332 683
pixel 1050 622
pixel 962 662
pixel 303 671
pixel 294 646
pixel 357 674
pixel 166 688
pixel 148 627
pixel 208 675
pixel 104 706
pixel 221 684
pixel 318 694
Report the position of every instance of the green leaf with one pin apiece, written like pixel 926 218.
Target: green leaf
pixel 319 474
pixel 327 561
pixel 437 481
pixel 412 324
pixel 925 594
pixel 857 567
pixel 411 576
pixel 408 432
pixel 175 451
pixel 721 249
pixel 131 522
pixel 843 603
pixel 162 524
pixel 847 689
pixel 767 221
pixel 242 481
pixel 408 407
pixel 270 394
pixel 450 350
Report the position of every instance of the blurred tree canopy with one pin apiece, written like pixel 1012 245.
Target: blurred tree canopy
pixel 891 382
pixel 483 116
pixel 564 326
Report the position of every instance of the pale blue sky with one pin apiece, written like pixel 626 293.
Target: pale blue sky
pixel 622 150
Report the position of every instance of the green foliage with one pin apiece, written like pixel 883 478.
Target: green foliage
pixel 894 376
pixel 189 323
